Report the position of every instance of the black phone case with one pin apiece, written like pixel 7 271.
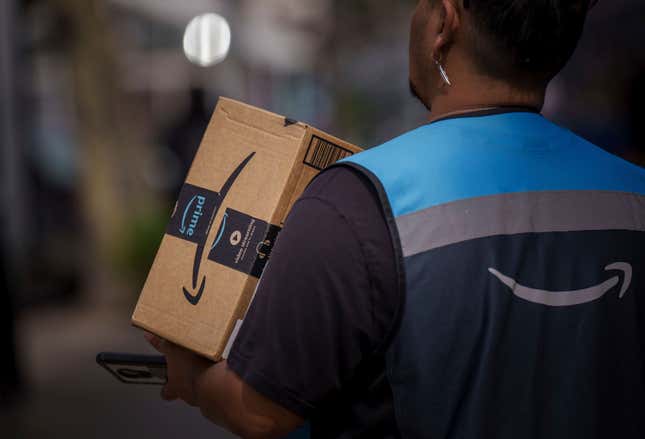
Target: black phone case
pixel 134 368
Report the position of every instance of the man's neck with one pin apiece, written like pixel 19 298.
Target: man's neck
pixel 476 95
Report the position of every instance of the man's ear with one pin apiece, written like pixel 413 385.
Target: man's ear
pixel 448 24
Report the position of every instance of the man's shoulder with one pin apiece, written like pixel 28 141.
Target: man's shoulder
pixel 394 149
pixel 344 187
pixel 475 157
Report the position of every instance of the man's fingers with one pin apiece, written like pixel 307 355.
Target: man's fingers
pixel 167 394
pixel 181 366
pixel 156 342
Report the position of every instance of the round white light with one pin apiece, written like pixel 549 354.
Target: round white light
pixel 207 39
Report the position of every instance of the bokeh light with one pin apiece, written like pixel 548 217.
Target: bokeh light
pixel 207 39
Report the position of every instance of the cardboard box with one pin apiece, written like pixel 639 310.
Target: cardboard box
pixel 251 167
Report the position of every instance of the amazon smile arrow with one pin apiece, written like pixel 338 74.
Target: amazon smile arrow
pixel 194 298
pixel 569 298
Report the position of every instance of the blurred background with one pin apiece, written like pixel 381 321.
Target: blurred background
pixel 100 115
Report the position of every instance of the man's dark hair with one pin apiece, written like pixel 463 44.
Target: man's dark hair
pixel 525 41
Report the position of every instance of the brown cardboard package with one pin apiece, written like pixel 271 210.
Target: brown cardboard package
pixel 251 167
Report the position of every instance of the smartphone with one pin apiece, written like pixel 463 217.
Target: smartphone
pixel 134 368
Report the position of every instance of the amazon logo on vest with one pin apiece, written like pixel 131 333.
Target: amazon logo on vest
pixel 571 297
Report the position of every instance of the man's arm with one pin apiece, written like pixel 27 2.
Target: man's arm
pixel 221 395
pixel 246 412
pixel 326 301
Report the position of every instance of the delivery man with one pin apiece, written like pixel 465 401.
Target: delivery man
pixel 482 276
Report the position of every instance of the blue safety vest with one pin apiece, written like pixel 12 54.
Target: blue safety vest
pixel 521 263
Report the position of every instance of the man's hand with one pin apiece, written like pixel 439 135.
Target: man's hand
pixel 221 395
pixel 184 367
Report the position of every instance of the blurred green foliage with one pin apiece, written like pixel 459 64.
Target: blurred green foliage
pixel 135 251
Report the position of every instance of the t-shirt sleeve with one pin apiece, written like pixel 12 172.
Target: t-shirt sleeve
pixel 318 310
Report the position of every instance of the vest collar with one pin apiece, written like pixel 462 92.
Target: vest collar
pixel 500 109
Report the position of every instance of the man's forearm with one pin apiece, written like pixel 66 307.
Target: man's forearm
pixel 229 402
pixel 221 395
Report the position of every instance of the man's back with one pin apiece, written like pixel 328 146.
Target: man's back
pixel 491 264
pixel 522 262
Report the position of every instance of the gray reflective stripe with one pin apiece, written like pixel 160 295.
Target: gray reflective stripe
pixel 525 212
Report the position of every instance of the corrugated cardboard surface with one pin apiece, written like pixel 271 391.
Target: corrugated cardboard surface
pixel 271 154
